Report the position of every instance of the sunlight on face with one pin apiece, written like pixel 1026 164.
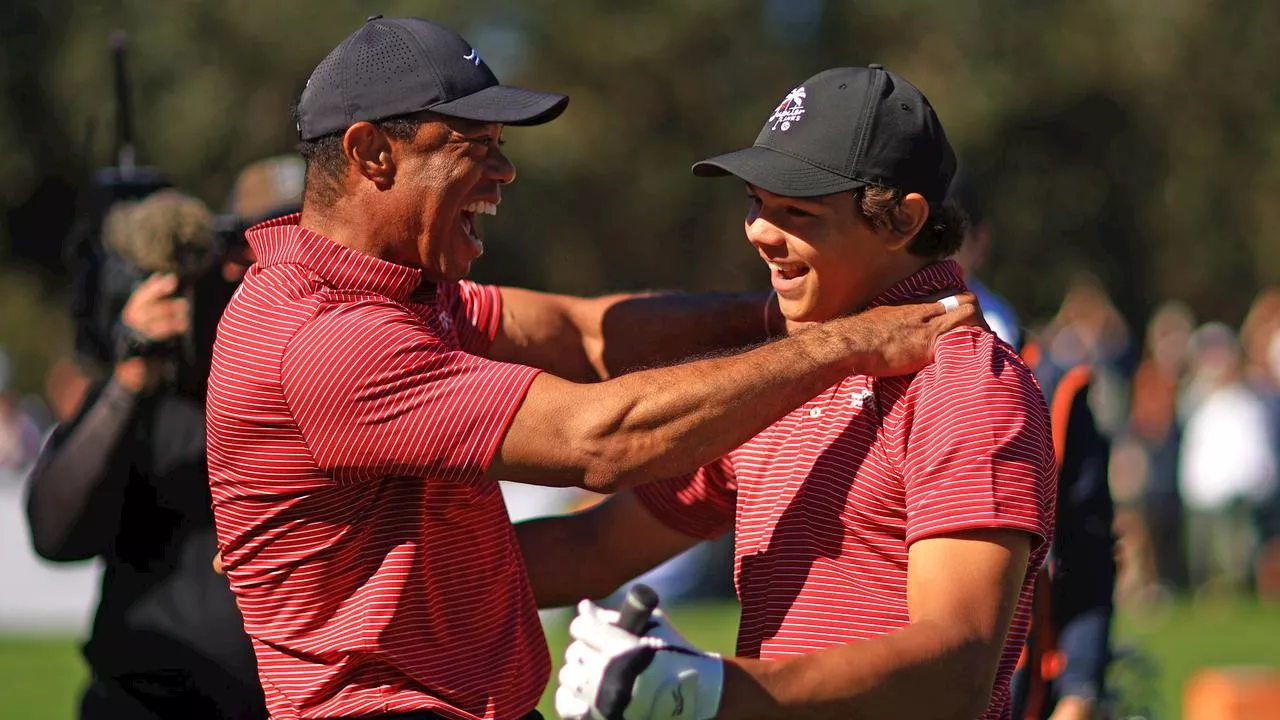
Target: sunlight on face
pixel 446 176
pixel 824 259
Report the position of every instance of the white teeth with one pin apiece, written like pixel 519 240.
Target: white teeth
pixel 787 271
pixel 481 207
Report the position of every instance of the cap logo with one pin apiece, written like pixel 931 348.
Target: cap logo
pixel 789 111
pixel 473 56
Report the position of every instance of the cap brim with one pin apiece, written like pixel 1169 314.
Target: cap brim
pixel 506 105
pixel 779 173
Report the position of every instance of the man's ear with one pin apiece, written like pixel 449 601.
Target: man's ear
pixel 906 219
pixel 368 150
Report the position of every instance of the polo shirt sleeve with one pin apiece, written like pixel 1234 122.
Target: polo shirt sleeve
pixel 375 393
pixel 978 450
pixel 700 505
pixel 476 311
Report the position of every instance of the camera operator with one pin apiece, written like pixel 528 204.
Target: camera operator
pixel 126 479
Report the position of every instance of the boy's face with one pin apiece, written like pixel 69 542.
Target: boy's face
pixel 825 260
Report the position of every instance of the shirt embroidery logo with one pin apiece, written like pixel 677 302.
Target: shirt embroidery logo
pixel 789 111
pixel 863 399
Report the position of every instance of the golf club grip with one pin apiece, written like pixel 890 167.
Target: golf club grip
pixel 640 602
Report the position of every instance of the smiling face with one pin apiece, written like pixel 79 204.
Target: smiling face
pixel 445 175
pixel 825 260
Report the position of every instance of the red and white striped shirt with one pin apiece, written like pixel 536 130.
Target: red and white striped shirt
pixel 827 500
pixel 350 417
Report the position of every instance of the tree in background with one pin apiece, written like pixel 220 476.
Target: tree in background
pixel 1138 140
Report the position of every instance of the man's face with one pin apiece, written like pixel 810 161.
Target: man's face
pixel 449 173
pixel 824 259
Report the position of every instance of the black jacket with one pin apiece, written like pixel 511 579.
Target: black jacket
pixel 127 481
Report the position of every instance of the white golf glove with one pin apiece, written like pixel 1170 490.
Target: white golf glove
pixel 610 674
pixel 659 625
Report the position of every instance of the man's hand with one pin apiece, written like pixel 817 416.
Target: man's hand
pixel 610 674
pixel 153 314
pixel 660 626
pixel 904 335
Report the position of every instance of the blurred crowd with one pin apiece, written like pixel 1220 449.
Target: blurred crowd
pixel 1192 410
pixel 23 421
pixel 1194 413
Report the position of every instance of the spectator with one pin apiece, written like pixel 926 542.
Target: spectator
pixel 1146 457
pixel 1063 666
pixel 19 433
pixel 1227 468
pixel 125 479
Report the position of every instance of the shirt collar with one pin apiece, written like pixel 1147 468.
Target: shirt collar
pixel 283 241
pixel 933 278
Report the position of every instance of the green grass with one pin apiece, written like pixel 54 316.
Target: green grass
pixel 1185 638
pixel 40 678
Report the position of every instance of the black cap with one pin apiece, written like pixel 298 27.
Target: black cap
pixel 398 66
pixel 842 129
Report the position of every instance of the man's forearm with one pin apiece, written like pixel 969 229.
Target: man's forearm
pixel 593 339
pixel 590 553
pixel 917 672
pixel 667 422
pixel 67 519
pixel 560 560
pixel 633 332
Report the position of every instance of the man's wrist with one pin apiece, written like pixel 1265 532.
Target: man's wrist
pixel 744 693
pixel 850 338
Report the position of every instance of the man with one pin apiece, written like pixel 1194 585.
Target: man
pixel 365 399
pixel 888 529
pixel 125 480
pixel 1063 667
pixel 972 256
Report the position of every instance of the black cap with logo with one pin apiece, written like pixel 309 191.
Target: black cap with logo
pixel 842 129
pixel 398 66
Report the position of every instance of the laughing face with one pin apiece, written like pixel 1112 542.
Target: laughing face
pixel 447 175
pixel 824 259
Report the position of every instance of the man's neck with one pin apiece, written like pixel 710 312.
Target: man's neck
pixel 895 272
pixel 333 223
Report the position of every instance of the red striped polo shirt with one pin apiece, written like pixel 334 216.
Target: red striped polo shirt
pixel 826 501
pixel 350 415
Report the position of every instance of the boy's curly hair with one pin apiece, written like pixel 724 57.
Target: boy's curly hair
pixel 940 237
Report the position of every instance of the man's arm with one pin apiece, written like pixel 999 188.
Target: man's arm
pixel 962 590
pixel 397 400
pixel 73 497
pixel 669 421
pixel 589 339
pixel 591 553
pixel 74 493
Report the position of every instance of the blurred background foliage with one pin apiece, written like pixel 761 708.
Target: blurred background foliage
pixel 1136 140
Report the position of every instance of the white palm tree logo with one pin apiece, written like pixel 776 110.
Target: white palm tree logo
pixel 789 110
